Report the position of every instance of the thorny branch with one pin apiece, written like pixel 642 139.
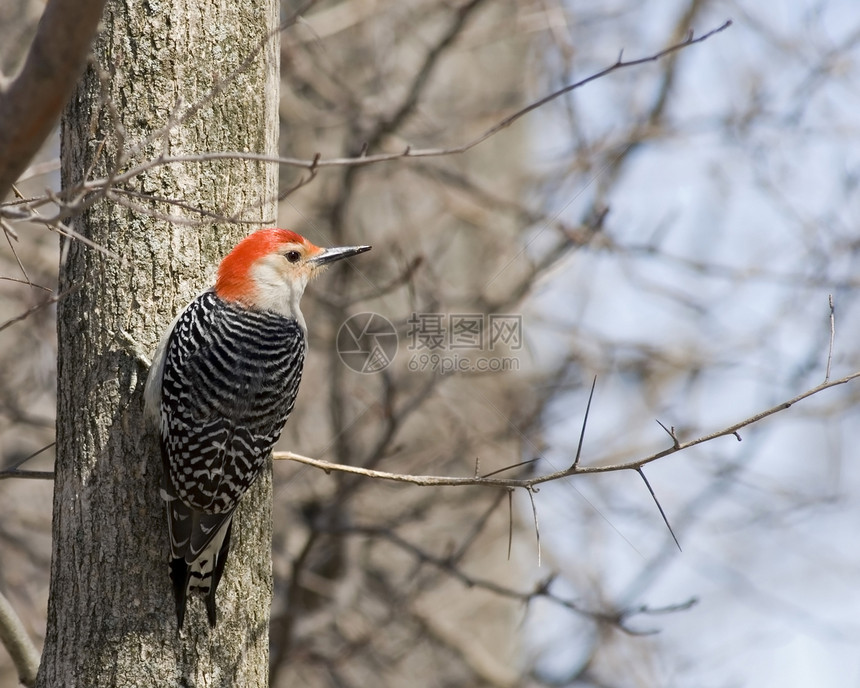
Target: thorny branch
pixel 575 468
pixel 616 617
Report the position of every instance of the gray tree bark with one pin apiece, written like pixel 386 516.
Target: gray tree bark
pixel 111 619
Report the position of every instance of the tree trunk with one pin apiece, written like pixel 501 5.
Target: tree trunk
pixel 111 618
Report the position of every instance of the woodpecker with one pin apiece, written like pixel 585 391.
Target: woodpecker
pixel 223 381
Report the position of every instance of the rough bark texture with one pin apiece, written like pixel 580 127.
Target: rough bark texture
pixel 111 619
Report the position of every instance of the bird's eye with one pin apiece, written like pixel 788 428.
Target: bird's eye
pixel 294 256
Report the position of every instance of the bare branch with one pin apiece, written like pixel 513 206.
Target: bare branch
pixel 410 102
pixel 528 483
pixel 175 219
pixel 363 159
pixel 15 471
pixel 10 234
pixel 26 314
pixel 616 617
pixel 27 211
pixel 29 284
pixel 28 475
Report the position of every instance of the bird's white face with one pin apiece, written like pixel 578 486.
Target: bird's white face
pixel 280 278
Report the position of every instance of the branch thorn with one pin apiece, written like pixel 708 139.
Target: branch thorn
pixel 671 432
pixel 659 507
pixel 584 422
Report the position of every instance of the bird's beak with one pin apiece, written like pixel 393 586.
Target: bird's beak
pixel 330 255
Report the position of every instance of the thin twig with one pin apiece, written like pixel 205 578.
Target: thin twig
pixel 27 475
pixel 26 314
pixel 29 284
pixel 508 468
pixel 10 234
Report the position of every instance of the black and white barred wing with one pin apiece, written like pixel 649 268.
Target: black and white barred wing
pixel 230 381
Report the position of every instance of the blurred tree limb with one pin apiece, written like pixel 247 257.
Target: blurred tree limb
pixel 31 103
pixel 14 638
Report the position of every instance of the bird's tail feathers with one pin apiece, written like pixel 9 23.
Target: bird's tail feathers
pixel 199 544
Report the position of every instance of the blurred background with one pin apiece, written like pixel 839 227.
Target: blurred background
pixel 676 229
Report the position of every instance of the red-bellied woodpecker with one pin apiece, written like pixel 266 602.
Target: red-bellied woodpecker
pixel 222 384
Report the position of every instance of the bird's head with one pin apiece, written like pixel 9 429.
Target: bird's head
pixel 269 270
